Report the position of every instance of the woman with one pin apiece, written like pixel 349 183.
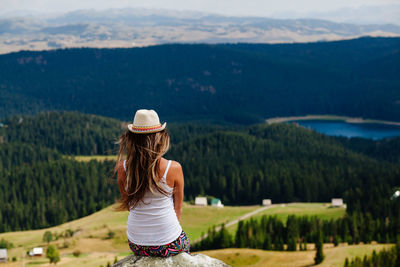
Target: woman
pixel 151 188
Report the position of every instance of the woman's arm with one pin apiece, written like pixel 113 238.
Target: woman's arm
pixel 177 174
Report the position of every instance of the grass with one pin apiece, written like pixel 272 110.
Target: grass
pixel 322 210
pixel 91 240
pixel 124 254
pixel 282 211
pixel 82 255
pixel 334 256
pixel 95 157
pixel 36 262
pixel 96 250
pixel 196 220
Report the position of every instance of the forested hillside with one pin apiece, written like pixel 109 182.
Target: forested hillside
pixel 70 133
pixel 386 149
pixel 240 83
pixel 283 162
pixel 39 185
pixel 44 194
pixel 241 165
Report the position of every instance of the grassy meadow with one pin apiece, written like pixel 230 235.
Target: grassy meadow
pixel 82 158
pixel 334 256
pixel 92 234
pixel 322 210
pixel 282 211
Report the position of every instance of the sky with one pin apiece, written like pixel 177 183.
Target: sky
pixel 226 7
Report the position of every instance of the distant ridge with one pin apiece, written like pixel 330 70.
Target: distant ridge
pixel 133 27
pixel 229 83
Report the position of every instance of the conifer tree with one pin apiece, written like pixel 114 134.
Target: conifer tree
pixel 319 244
pixel 346 262
pixel 267 245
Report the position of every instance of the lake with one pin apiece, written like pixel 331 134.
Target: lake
pixel 341 128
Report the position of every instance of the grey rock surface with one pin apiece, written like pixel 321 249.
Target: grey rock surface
pixel 180 260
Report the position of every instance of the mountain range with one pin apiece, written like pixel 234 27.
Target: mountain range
pixel 141 27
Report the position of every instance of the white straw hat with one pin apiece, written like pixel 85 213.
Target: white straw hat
pixel 146 121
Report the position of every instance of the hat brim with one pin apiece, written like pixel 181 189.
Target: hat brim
pixel 146 130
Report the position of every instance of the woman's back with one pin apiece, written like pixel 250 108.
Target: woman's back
pixel 153 221
pixel 152 188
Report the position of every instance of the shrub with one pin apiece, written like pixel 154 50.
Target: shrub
pixel 110 234
pixel 6 244
pixel 76 253
pixel 53 254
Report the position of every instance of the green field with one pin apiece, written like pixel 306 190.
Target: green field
pixel 334 256
pixel 90 238
pixel 96 157
pixel 282 211
pixel 197 220
pixel 322 210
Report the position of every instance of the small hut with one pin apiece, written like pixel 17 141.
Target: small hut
pixel 337 202
pixel 200 201
pixel 3 255
pixel 266 202
pixel 36 252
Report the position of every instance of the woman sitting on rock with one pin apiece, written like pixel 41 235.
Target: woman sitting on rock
pixel 151 188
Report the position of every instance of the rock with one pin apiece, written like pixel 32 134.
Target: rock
pixel 180 260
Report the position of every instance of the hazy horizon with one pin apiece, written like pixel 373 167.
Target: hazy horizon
pixel 361 11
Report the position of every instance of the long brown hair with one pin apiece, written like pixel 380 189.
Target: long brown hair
pixel 143 153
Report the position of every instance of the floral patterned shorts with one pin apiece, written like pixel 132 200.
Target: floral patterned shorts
pixel 181 244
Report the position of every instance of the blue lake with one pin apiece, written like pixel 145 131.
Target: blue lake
pixel 340 128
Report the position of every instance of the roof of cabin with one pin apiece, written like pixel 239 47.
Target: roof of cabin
pixel 215 200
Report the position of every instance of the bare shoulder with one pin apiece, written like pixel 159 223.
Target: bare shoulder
pixel 175 165
pixel 175 168
pixel 175 174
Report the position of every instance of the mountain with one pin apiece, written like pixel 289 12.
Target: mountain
pixel 141 27
pixel 225 83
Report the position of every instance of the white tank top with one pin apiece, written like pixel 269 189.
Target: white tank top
pixel 153 222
